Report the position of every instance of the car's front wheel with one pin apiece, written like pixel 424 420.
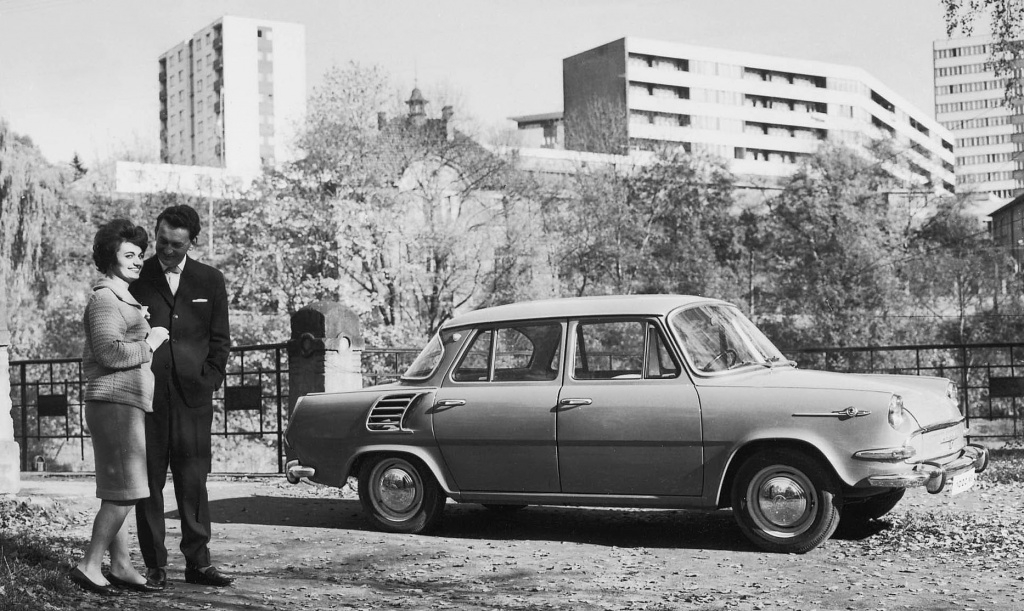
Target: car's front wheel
pixel 400 495
pixel 785 501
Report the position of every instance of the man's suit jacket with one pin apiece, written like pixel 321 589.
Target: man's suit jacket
pixel 196 355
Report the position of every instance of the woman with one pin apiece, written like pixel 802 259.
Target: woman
pixel 119 345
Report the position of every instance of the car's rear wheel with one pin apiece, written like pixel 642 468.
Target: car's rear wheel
pixel 785 501
pixel 400 495
pixel 873 507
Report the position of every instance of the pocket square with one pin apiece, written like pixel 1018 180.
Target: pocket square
pixel 200 300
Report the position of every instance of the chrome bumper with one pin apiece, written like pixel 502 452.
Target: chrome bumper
pixel 933 476
pixel 294 471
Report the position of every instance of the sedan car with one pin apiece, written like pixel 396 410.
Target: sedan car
pixel 654 401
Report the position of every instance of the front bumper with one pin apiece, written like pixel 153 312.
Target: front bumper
pixel 294 471
pixel 934 476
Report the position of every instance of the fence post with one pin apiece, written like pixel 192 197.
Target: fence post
pixel 10 452
pixel 325 351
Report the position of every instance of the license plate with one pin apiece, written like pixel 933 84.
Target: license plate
pixel 962 482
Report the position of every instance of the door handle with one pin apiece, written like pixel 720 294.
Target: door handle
pixel 449 403
pixel 575 402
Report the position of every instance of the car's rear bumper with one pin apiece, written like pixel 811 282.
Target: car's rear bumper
pixel 934 476
pixel 294 471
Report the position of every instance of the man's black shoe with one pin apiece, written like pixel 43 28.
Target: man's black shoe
pixel 156 578
pixel 209 576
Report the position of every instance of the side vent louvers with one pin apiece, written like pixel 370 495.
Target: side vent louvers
pixel 388 412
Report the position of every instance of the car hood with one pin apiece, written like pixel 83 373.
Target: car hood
pixel 924 397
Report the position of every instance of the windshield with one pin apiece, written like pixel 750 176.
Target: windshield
pixel 719 337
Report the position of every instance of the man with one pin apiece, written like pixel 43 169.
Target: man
pixel 190 299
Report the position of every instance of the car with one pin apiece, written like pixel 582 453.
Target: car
pixel 650 401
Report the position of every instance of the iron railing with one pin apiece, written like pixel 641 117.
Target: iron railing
pixel 251 408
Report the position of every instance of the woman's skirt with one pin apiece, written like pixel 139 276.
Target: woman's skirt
pixel 119 445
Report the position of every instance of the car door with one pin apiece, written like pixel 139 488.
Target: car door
pixel 628 417
pixel 494 415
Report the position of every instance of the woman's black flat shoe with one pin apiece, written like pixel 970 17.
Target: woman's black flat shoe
pixel 135 587
pixel 77 576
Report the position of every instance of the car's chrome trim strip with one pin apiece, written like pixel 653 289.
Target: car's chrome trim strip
pixel 842 414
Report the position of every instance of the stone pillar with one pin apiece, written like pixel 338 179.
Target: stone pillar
pixel 325 350
pixel 10 452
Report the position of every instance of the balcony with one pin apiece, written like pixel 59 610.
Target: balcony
pixel 163 76
pixel 217 84
pixel 163 115
pixel 163 96
pixel 216 107
pixel 218 64
pixel 218 42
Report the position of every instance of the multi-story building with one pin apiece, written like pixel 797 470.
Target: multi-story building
pixel 233 94
pixel 763 113
pixel 969 102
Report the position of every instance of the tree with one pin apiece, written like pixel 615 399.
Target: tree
pixel 42 256
pixel 686 235
pixel 960 269
pixel 597 126
pixel 834 237
pixel 1006 26
pixel 667 227
pixel 397 217
pixel 78 167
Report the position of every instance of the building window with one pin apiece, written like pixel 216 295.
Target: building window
pixel 199 85
pixel 199 43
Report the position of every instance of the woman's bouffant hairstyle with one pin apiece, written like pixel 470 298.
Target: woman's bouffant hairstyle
pixel 109 238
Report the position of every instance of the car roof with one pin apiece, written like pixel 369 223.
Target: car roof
pixel 606 305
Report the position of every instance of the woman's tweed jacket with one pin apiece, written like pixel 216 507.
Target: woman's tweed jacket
pixel 116 356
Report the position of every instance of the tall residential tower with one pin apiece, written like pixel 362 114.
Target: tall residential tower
pixel 969 102
pixel 233 95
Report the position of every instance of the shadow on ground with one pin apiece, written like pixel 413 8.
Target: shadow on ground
pixel 593 526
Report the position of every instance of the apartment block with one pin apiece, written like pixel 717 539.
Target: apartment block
pixel 763 113
pixel 988 133
pixel 233 94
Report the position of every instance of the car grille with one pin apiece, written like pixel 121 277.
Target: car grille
pixel 388 413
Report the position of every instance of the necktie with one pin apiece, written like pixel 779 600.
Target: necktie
pixel 173 275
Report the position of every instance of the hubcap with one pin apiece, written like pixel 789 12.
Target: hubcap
pixel 782 501
pixel 397 490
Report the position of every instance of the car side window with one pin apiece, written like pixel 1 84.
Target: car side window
pixel 660 362
pixel 522 353
pixel 475 365
pixel 609 349
pixel 622 350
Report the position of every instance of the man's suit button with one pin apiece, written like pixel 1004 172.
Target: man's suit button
pixel 175 316
pixel 168 366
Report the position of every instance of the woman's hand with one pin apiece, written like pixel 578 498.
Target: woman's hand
pixel 156 337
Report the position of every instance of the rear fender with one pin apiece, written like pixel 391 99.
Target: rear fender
pixel 424 455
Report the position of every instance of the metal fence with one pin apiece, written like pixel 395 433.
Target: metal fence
pixel 251 408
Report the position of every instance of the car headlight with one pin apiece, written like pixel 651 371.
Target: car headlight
pixel 896 412
pixel 953 394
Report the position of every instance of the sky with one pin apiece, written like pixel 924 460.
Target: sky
pixel 80 76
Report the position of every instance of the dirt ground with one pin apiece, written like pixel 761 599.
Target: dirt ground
pixel 308 547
